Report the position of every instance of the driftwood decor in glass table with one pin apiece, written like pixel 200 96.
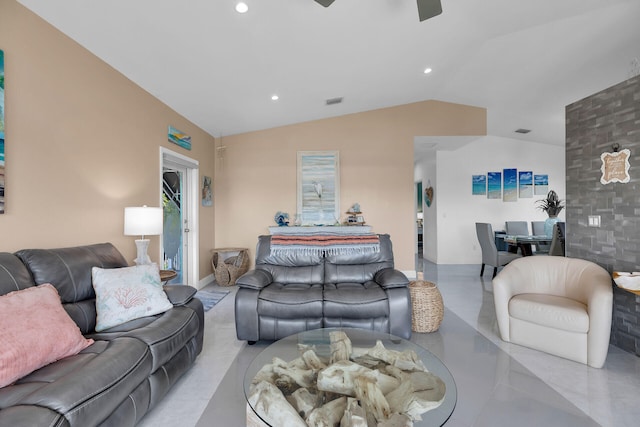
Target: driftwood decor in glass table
pixel 351 377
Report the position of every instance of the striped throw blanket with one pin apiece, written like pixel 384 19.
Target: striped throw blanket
pixel 329 243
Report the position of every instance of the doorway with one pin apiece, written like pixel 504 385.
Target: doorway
pixel 179 194
pixel 419 218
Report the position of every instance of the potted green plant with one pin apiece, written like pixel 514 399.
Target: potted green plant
pixel 552 205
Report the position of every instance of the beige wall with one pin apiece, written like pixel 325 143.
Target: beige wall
pixel 82 142
pixel 256 172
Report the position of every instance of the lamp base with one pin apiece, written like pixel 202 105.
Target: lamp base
pixel 143 258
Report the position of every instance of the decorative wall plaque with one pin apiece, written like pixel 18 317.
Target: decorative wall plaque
pixel 615 167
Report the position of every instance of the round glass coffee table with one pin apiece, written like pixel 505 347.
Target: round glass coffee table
pixel 287 349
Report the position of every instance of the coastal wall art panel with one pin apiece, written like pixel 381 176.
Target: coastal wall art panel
pixel 179 138
pixel 525 184
pixel 494 185
pixel 207 192
pixel 478 185
pixel 510 185
pixel 541 185
pixel 1 132
pixel 318 195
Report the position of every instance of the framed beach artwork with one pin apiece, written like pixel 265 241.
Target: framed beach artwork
pixel 525 184
pixel 318 187
pixel 540 185
pixel 478 185
pixel 179 138
pixel 510 185
pixel 494 185
pixel 1 132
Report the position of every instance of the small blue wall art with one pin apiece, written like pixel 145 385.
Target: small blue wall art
pixel 180 138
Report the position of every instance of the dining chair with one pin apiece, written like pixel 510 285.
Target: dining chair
pixel 557 240
pixel 537 229
pixel 517 228
pixel 490 254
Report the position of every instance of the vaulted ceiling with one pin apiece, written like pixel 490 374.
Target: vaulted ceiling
pixel 522 60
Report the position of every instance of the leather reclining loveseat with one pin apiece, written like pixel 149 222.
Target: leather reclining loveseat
pixel 294 292
pixel 128 368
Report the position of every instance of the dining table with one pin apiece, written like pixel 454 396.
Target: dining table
pixel 524 242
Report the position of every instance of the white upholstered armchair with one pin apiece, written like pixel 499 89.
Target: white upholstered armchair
pixel 558 305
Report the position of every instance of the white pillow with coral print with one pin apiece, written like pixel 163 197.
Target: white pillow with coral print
pixel 124 294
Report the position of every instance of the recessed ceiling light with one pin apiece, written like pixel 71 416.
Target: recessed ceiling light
pixel 274 97
pixel 241 7
pixel 427 70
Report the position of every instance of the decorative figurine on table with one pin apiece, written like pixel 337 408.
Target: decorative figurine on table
pixel 282 219
pixel 354 215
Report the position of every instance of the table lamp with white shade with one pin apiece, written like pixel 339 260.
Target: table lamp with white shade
pixel 142 221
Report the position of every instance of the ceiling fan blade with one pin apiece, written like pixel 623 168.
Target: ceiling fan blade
pixel 325 3
pixel 428 9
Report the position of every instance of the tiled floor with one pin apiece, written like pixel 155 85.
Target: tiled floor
pixel 515 386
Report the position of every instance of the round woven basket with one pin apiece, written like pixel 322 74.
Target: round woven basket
pixel 427 308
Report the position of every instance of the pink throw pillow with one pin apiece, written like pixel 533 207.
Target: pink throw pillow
pixel 35 331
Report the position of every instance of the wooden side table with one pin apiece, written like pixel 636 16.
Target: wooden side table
pixel 227 269
pixel 166 275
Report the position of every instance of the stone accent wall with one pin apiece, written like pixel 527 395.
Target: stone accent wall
pixel 593 125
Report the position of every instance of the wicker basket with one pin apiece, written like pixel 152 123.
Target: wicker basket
pixel 426 306
pixel 227 271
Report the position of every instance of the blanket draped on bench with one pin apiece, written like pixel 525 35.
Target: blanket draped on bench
pixel 324 242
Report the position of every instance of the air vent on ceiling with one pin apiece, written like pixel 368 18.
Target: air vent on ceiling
pixel 523 130
pixel 334 101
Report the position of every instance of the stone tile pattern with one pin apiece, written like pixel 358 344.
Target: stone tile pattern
pixel 593 125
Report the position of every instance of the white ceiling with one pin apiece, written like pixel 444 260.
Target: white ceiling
pixel 522 60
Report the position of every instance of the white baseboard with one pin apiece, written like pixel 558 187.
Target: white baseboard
pixel 205 281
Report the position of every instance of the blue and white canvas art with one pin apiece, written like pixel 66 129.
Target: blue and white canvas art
pixel 525 182
pixel 494 185
pixel 318 187
pixel 510 185
pixel 541 185
pixel 478 185
pixel 1 132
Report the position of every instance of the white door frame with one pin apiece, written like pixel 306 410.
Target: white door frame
pixel 191 185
